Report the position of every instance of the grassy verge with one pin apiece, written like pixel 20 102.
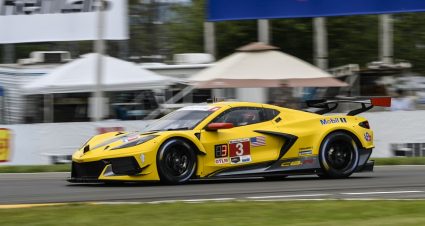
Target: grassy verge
pixel 400 161
pixel 36 168
pixel 318 213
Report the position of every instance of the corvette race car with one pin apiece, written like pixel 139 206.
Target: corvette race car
pixel 233 139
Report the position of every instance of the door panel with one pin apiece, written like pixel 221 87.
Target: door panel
pixel 239 146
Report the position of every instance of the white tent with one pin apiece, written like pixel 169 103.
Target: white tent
pixel 79 76
pixel 260 65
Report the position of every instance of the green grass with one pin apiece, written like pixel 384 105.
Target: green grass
pixel 318 213
pixel 67 167
pixel 400 161
pixel 36 168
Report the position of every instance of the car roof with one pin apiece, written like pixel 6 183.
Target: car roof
pixel 236 104
pixel 232 104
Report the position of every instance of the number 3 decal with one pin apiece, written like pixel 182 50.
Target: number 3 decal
pixel 239 148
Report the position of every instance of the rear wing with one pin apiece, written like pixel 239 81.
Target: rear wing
pixel 367 103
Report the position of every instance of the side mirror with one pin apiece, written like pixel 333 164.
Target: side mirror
pixel 219 125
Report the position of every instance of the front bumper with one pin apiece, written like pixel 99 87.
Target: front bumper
pixel 120 169
pixel 82 180
pixel 88 170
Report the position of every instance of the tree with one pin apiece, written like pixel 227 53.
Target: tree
pixel 409 39
pixel 353 40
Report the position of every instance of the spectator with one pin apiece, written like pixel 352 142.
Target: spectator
pixel 401 102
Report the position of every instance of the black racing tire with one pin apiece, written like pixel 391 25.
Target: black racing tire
pixel 338 156
pixel 176 161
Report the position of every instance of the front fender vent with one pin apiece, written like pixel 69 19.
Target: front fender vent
pixel 86 148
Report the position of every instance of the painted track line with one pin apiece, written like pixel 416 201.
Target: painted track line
pixel 38 173
pixel 287 196
pixel 379 192
pixel 19 206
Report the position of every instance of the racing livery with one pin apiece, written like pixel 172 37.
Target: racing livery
pixel 233 139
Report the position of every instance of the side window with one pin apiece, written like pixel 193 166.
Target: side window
pixel 270 114
pixel 242 116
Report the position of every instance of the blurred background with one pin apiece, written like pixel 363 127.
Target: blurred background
pixel 114 62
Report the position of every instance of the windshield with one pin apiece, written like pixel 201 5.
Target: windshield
pixel 179 120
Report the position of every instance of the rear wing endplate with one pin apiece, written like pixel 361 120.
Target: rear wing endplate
pixel 367 103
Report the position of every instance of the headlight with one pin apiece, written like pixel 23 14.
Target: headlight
pixel 136 142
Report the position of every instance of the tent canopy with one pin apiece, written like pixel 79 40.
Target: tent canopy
pixel 80 76
pixel 261 65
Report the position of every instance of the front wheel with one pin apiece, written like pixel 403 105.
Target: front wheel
pixel 339 156
pixel 176 161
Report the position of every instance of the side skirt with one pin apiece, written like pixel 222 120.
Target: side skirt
pixel 303 165
pixel 293 166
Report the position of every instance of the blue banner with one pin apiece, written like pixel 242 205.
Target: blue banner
pixel 220 10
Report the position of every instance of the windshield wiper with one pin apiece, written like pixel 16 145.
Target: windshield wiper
pixel 152 131
pixel 181 128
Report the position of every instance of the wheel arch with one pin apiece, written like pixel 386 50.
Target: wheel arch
pixel 190 138
pixel 348 132
pixel 189 141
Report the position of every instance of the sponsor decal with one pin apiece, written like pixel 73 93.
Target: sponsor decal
pixel 305 151
pixel 239 140
pixel 367 137
pixel 19 7
pixel 291 163
pixel 257 141
pixel 308 161
pixel 285 164
pixel 246 158
pixel 333 121
pixel 235 160
pixel 296 163
pixel 239 150
pixel 5 135
pixel 221 160
pixel 240 159
pixel 62 18
pixel 130 138
pixel 214 109
pixel 101 130
pixel 221 150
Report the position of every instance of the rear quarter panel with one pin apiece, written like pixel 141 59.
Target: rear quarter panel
pixel 311 130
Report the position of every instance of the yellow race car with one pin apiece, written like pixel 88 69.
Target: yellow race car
pixel 233 139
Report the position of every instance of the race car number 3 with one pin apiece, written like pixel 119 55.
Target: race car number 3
pixel 239 148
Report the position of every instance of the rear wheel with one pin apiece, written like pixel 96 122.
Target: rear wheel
pixel 176 161
pixel 339 156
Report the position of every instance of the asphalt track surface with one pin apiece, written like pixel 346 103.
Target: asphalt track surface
pixel 387 182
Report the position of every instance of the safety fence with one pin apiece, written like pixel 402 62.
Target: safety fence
pixel 395 133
